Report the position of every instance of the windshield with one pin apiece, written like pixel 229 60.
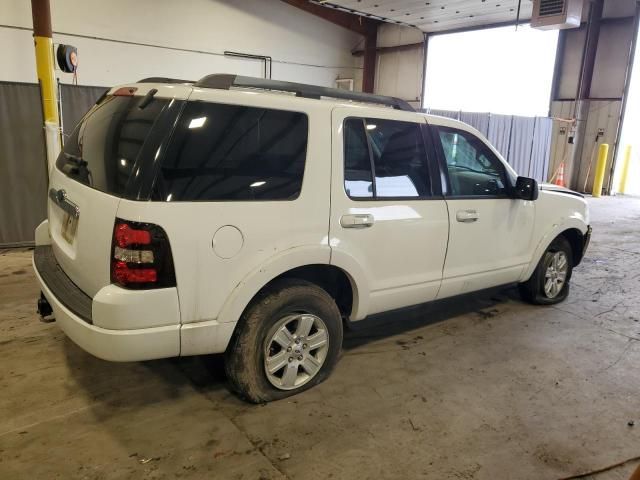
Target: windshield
pixel 103 150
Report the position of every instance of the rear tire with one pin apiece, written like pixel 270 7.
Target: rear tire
pixel 549 282
pixel 288 340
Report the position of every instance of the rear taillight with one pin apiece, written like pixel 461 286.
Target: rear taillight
pixel 141 256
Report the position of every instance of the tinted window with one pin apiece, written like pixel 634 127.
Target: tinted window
pixel 357 163
pixel 399 167
pixel 473 168
pixel 230 152
pixel 103 149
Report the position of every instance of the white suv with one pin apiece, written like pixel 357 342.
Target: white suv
pixel 256 217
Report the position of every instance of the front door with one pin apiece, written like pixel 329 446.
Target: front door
pixel 388 216
pixel 489 241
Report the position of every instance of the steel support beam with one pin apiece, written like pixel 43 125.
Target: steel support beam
pixel 370 59
pixel 584 90
pixel 43 42
pixel 355 23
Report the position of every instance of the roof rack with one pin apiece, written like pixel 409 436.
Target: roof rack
pixel 225 81
pixel 163 80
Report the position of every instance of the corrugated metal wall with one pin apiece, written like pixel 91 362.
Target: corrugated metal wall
pixel 524 142
pixel 23 171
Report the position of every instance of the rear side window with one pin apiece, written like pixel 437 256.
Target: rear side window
pixel 385 159
pixel 103 149
pixel 231 152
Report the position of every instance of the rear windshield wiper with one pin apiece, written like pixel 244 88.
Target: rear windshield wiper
pixel 79 161
pixel 148 98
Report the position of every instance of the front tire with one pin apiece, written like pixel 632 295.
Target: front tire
pixel 549 283
pixel 288 340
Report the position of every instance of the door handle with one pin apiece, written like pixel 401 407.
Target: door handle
pixel 467 216
pixel 360 220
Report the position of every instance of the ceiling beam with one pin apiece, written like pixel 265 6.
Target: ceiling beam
pixel 355 23
pixel 394 48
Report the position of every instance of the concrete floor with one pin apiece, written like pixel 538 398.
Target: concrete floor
pixel 485 388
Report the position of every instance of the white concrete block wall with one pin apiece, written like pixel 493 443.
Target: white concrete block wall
pixel 121 40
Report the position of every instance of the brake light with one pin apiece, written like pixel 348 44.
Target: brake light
pixel 141 256
pixel 125 235
pixel 125 92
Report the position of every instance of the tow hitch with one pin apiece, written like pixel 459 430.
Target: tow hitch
pixel 44 309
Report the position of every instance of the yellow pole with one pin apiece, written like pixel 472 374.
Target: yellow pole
pixel 625 169
pixel 598 180
pixel 42 33
pixel 47 78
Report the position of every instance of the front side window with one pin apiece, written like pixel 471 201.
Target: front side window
pixel 224 152
pixel 385 159
pixel 473 168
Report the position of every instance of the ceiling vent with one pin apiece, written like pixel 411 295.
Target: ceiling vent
pixel 556 14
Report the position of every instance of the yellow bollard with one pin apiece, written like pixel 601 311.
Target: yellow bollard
pixel 625 169
pixel 598 180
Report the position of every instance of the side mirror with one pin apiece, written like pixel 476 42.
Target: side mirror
pixel 526 189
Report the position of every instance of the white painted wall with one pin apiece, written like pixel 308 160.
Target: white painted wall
pixel 109 34
pixel 398 74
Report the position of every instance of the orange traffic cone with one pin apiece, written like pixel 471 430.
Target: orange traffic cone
pixel 560 177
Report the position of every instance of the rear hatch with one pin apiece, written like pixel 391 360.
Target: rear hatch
pixel 110 155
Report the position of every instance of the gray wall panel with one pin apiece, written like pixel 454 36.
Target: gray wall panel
pixel 525 142
pixel 499 133
pixel 23 174
pixel 520 144
pixel 23 182
pixel 479 121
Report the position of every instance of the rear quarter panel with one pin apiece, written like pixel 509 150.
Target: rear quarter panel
pixel 273 232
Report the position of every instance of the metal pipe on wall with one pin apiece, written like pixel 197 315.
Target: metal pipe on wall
pixel 267 60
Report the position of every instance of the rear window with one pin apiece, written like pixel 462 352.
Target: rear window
pixel 103 149
pixel 228 152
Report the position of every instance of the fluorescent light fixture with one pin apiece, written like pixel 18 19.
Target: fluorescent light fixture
pixel 371 127
pixel 197 122
pixel 257 184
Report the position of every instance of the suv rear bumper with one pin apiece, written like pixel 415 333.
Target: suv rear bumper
pixel 75 317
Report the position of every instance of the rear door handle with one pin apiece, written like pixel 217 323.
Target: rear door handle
pixel 467 216
pixel 360 220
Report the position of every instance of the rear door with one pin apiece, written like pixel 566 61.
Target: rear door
pixel 387 211
pixel 103 161
pixel 490 232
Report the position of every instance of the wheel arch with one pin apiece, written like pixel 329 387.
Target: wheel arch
pixel 309 264
pixel 576 239
pixel 572 231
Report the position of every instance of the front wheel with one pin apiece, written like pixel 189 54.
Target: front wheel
pixel 287 341
pixel 549 283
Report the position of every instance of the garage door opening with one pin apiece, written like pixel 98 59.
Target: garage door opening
pixel 629 136
pixel 498 70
